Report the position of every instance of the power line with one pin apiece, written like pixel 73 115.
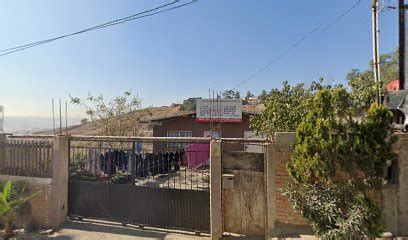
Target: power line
pixel 88 29
pixel 147 13
pixel 342 15
pixel 293 46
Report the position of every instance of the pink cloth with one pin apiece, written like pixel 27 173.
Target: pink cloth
pixel 197 154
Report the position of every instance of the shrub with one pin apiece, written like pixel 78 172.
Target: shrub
pixel 78 171
pixel 121 178
pixel 336 161
pixel 13 204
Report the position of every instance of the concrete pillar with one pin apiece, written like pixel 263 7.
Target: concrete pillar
pixel 270 191
pixel 59 192
pixel 402 192
pixel 216 189
pixel 3 139
pixel 283 143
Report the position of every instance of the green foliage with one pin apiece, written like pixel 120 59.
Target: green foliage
pixel 116 117
pixel 363 87
pixel 78 171
pixel 284 108
pixel 249 95
pixel 121 178
pixel 332 214
pixel 189 104
pixel 231 94
pixel 336 161
pixel 263 95
pixel 12 203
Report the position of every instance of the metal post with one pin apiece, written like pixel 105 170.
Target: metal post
pixel 53 116
pixel 401 8
pixel 60 116
pixel 3 139
pixel 376 54
pixel 133 163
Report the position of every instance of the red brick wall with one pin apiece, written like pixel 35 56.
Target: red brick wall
pixel 284 210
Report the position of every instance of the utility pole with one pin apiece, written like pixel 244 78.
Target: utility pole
pixel 376 50
pixel 402 39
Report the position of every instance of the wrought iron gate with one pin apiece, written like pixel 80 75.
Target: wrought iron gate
pixel 163 184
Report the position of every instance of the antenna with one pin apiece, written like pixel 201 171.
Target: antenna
pixel 66 117
pixel 1 119
pixel 60 117
pixel 53 115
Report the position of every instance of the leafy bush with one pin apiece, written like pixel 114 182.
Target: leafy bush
pixel 336 161
pixel 285 108
pixel 78 171
pixel 12 204
pixel 121 178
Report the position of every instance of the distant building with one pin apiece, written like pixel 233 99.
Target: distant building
pixel 183 123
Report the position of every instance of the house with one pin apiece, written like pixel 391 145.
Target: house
pixel 183 123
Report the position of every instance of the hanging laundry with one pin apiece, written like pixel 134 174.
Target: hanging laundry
pixel 122 160
pixel 197 154
pixel 108 162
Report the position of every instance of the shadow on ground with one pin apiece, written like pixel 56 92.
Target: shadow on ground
pixel 91 230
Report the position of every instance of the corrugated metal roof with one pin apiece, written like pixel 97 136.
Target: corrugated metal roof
pixel 396 99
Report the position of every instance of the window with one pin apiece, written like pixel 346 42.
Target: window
pixel 177 145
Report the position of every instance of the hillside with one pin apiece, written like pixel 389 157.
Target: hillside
pixel 143 118
pixel 143 115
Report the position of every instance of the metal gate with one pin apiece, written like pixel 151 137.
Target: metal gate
pixel 149 182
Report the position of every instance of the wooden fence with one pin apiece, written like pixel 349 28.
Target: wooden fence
pixel 32 158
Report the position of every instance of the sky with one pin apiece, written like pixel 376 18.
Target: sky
pixel 211 44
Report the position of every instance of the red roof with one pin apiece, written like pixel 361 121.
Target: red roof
pixel 393 86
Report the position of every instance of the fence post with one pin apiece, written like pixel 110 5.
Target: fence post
pixel 270 190
pixel 215 189
pixel 59 192
pixel 3 139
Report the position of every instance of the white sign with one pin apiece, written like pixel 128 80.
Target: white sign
pixel 219 110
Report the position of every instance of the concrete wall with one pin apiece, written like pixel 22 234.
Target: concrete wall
pixel 40 205
pixel 394 199
pixel 49 205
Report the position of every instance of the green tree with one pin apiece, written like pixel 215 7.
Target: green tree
pixel 263 95
pixel 363 87
pixel 336 162
pixel 285 108
pixel 249 95
pixel 231 94
pixel 115 117
pixel 189 104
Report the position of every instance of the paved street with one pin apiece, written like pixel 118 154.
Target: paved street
pixel 96 230
pixel 104 231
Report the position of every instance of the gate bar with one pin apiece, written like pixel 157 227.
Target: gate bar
pixel 145 139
